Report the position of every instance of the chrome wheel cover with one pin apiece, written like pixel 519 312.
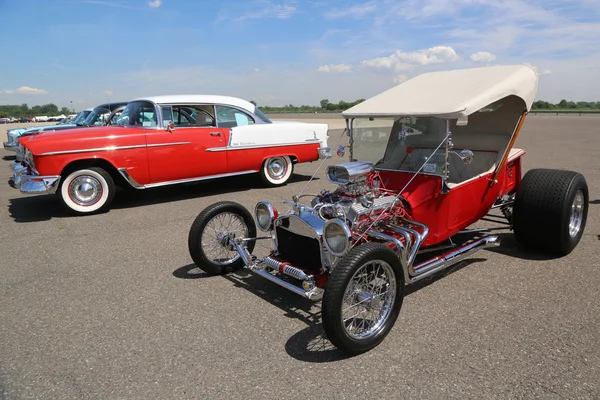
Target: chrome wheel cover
pixel 216 234
pixel 368 299
pixel 576 214
pixel 277 167
pixel 85 190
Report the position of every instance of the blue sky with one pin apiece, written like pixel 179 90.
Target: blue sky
pixel 284 51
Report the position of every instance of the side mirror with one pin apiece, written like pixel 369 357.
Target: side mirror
pixel 466 156
pixel 169 125
pixel 341 150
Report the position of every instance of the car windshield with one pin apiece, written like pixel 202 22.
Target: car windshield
pixel 80 118
pixel 138 113
pixel 97 117
pixel 403 143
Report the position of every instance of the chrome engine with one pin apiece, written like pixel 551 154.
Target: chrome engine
pixel 359 193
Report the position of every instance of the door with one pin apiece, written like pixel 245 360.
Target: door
pixel 186 152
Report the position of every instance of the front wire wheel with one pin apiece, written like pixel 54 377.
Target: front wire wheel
pixel 363 298
pixel 211 232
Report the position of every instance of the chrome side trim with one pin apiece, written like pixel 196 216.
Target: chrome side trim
pixel 135 184
pixel 202 178
pixel 129 178
pixel 168 144
pixel 259 146
pixel 108 148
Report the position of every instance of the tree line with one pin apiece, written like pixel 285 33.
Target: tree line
pixel 23 111
pixel 324 106
pixel 566 105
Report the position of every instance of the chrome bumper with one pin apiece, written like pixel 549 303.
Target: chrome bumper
pixel 324 153
pixel 10 146
pixel 31 183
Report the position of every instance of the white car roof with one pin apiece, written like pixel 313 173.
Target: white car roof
pixel 200 98
pixel 451 94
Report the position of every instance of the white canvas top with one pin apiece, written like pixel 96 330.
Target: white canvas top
pixel 200 99
pixel 451 94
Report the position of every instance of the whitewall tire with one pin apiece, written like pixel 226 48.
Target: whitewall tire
pixel 87 191
pixel 276 171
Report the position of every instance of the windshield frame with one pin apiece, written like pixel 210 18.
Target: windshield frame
pixel 442 145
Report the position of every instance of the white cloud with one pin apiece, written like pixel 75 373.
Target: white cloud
pixel 543 72
pixel 269 9
pixel 482 57
pixel 25 90
pixel 356 11
pixel 335 68
pixel 154 3
pixel 406 61
pixel 255 69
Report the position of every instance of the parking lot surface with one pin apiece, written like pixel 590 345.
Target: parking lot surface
pixel 111 307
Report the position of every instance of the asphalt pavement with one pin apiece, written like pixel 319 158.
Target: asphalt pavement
pixel 111 307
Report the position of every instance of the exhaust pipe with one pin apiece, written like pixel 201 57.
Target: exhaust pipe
pixel 439 263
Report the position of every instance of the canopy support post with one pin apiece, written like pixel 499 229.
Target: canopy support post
pixel 513 139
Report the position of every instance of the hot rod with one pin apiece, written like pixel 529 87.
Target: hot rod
pixel 446 159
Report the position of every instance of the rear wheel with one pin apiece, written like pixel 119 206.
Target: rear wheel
pixel 363 298
pixel 87 191
pixel 276 171
pixel 550 210
pixel 210 233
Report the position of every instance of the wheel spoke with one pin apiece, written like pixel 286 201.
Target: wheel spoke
pixel 369 297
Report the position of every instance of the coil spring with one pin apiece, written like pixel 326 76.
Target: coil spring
pixel 507 211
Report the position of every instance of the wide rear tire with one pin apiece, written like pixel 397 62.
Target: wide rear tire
pixel 550 210
pixel 206 241
pixel 363 298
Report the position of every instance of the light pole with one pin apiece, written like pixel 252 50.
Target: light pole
pixel 72 106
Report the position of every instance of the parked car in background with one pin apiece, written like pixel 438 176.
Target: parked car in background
pixel 165 140
pixel 103 114
pixel 402 206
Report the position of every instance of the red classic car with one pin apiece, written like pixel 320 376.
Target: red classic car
pixel 439 157
pixel 161 141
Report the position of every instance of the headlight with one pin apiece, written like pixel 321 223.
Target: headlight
pixel 337 236
pixel 264 214
pixel 29 158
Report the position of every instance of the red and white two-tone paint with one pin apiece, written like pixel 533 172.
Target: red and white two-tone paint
pixel 165 140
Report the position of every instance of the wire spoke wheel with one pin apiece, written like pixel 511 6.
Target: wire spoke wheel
pixel 211 233
pixel 368 299
pixel 363 298
pixel 216 235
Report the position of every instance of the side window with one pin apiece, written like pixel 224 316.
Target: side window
pixel 229 117
pixel 115 118
pixel 193 116
pixel 167 113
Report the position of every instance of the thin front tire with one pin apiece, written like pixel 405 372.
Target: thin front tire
pixel 208 239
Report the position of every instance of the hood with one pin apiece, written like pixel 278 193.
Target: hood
pixel 76 138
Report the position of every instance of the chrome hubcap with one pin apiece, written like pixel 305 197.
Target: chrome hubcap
pixel 368 299
pixel 277 168
pixel 85 190
pixel 216 235
pixel 576 214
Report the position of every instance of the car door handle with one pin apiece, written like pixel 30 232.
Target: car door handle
pixel 215 134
